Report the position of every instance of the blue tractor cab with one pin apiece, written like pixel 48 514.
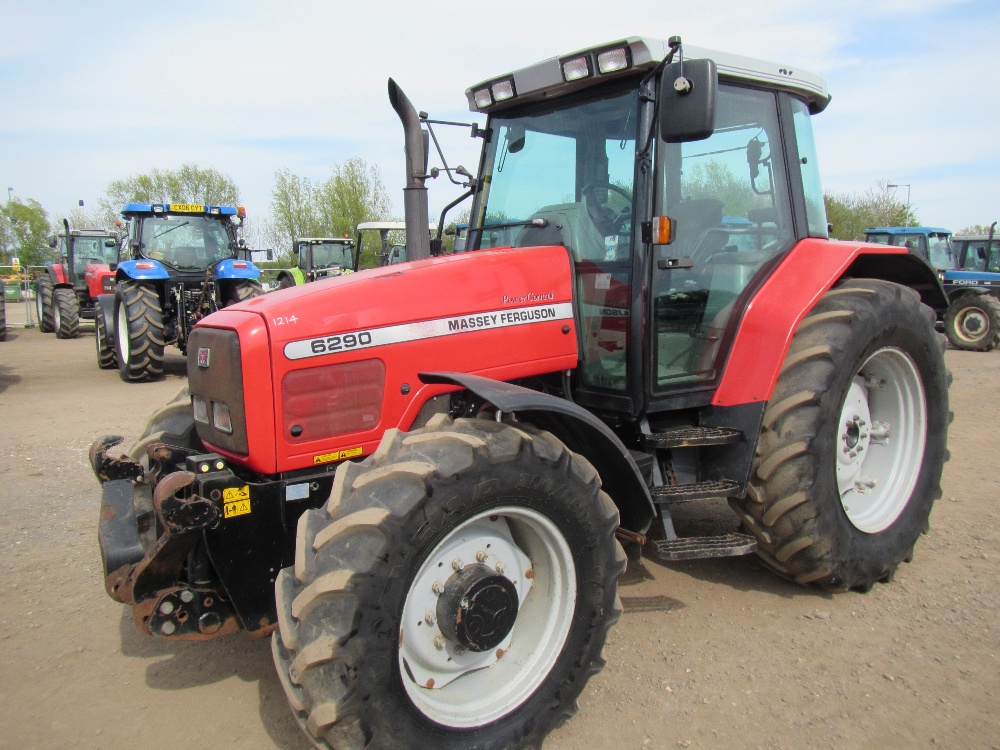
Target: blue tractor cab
pixel 180 262
pixel 970 277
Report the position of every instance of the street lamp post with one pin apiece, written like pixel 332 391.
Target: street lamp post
pixel 907 186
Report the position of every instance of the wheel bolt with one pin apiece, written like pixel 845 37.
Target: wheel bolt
pixel 437 588
pixel 438 642
pixel 168 628
pixel 167 607
pixel 501 568
pixel 482 557
pixel 456 564
pixel 429 618
pixel 187 596
pixel 464 604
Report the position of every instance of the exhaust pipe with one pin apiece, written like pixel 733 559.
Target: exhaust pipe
pixel 416 215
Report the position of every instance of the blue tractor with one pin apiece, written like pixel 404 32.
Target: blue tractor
pixel 970 279
pixel 181 262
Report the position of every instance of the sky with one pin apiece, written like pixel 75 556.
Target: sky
pixel 95 91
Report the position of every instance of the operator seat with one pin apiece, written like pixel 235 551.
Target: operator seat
pixel 569 225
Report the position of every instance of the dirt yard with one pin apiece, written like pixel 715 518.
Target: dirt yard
pixel 714 654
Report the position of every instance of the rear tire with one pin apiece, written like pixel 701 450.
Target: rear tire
pixel 243 290
pixel 370 647
pixel 3 315
pixel 850 455
pixel 66 313
pixel 972 322
pixel 105 348
pixel 139 332
pixel 43 304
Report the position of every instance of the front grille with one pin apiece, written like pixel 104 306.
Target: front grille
pixel 215 373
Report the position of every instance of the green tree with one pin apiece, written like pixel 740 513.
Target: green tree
pixel 186 184
pixel 979 229
pixel 24 231
pixel 715 179
pixel 352 194
pixel 852 213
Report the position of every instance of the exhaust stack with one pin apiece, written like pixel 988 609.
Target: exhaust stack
pixel 415 210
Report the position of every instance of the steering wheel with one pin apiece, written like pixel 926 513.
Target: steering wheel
pixel 607 221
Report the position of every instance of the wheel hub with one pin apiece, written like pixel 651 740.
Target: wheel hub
pixel 974 323
pixel 477 608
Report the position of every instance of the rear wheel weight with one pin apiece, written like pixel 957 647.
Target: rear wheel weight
pixel 66 313
pixel 972 322
pixel 850 457
pixel 450 527
pixel 139 332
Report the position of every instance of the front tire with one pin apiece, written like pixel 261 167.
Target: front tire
pixel 972 322
pixel 43 304
pixel 139 332
pixel 456 591
pixel 66 313
pixel 850 456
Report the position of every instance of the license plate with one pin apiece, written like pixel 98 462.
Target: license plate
pixel 191 208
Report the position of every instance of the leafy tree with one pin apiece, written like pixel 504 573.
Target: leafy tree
pixel 353 193
pixel 186 184
pixel 24 231
pixel 715 179
pixel 851 214
pixel 979 229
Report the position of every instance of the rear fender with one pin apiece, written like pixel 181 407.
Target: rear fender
pixel 236 269
pixel 580 430
pixel 141 270
pixel 808 272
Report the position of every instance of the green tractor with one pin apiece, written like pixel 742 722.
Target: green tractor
pixel 318 258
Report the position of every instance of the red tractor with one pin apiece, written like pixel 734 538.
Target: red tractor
pixel 67 291
pixel 426 479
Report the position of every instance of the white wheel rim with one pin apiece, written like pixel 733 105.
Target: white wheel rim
pixel 972 324
pixel 473 689
pixel 38 302
pixel 56 315
pixel 881 438
pixel 123 339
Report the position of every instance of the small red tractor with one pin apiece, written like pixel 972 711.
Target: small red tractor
pixel 426 480
pixel 68 290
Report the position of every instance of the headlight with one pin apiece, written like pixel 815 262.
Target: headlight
pixel 221 417
pixel 200 409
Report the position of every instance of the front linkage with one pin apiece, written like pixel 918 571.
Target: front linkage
pixel 182 544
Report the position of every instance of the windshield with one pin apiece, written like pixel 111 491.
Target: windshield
pixel 574 166
pixel 188 243
pixel 329 254
pixel 942 254
pixel 88 250
pixel 979 257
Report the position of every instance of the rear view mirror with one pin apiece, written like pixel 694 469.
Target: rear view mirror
pixel 686 100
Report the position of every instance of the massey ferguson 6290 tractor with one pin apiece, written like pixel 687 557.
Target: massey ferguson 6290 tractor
pixel 186 260
pixel 67 291
pixel 425 479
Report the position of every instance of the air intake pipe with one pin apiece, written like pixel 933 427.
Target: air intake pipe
pixel 416 215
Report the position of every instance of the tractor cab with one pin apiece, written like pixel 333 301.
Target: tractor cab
pixel 932 244
pixel 186 238
pixel 977 252
pixel 607 174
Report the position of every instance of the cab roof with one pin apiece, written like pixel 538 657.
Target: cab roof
pixel 175 208
pixel 907 230
pixel 546 79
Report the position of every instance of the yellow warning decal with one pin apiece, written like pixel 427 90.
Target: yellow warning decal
pixel 326 458
pixel 236 501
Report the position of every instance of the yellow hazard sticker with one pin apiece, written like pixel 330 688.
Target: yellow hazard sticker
pixel 236 501
pixel 325 458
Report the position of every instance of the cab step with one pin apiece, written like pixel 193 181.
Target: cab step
pixel 703 547
pixel 682 493
pixel 694 437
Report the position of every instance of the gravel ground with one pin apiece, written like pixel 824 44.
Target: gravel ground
pixel 708 654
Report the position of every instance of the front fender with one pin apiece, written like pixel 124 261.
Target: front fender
pixel 580 430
